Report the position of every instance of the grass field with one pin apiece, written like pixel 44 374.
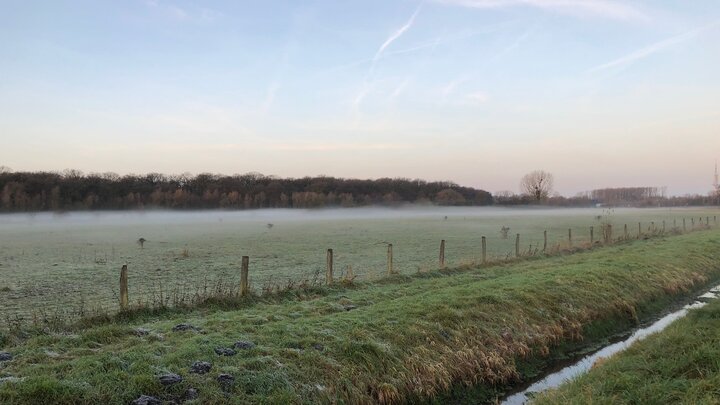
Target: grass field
pixel 407 338
pixel 680 365
pixel 52 262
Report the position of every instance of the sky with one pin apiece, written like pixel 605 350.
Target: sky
pixel 601 93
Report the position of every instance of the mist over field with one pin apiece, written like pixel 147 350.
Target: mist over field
pixel 277 216
pixel 71 259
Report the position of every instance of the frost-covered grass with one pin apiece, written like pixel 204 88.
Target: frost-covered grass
pixel 399 339
pixel 71 262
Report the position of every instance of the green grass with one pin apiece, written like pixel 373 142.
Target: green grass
pixel 680 365
pixel 71 263
pixel 408 339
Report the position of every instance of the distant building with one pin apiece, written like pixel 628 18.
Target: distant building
pixel 627 195
pixel 716 182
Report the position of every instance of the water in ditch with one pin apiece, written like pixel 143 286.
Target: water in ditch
pixel 583 365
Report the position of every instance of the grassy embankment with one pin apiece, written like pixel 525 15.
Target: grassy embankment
pixel 400 339
pixel 680 365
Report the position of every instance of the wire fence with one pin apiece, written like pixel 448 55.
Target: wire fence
pixel 254 275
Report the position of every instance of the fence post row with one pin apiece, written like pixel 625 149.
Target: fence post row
pixel 329 270
pixel 389 259
pixel 244 272
pixel 244 283
pixel 124 287
pixel 442 254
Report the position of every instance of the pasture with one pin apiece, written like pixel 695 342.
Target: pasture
pixel 51 262
pixel 457 336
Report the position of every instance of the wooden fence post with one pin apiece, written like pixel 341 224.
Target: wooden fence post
pixel 517 245
pixel 484 250
pixel 570 237
pixel 684 227
pixel 329 270
pixel 707 221
pixel 592 236
pixel 442 254
pixel 663 228
pixel 625 233
pixel 545 240
pixel 608 234
pixel 389 259
pixel 639 230
pixel 244 269
pixel 124 288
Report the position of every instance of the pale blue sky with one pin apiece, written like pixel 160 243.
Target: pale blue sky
pixel 599 92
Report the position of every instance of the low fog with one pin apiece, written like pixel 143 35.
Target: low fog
pixel 276 216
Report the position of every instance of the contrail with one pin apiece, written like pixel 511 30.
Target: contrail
pixel 601 8
pixel 392 38
pixel 397 34
pixel 654 48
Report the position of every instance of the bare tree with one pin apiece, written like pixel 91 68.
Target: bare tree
pixel 537 184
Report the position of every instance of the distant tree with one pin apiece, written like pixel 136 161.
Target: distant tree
pixel 537 184
pixel 449 197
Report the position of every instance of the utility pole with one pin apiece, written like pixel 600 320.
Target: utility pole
pixel 716 185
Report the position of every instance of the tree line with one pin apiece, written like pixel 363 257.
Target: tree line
pixel 73 190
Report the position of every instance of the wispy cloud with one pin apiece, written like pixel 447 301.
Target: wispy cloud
pixel 449 88
pixel 270 96
pixel 365 89
pixel 397 34
pixel 308 147
pixel 271 146
pixel 428 44
pixel 516 43
pixel 181 14
pixel 653 49
pixel 598 8
pixel 400 88
pixel 478 97
pixel 359 97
